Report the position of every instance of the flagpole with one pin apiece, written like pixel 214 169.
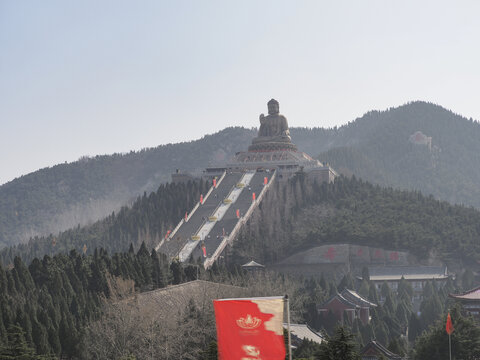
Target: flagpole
pixel 450 345
pixel 449 328
pixel 288 328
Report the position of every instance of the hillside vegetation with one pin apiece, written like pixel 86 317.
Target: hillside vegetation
pixel 147 220
pixel 374 147
pixel 348 211
pixel 356 212
pixel 63 196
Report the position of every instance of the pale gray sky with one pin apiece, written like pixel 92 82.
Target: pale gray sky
pixel 97 77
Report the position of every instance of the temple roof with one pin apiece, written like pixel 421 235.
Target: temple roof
pixel 373 348
pixel 252 264
pixel 303 331
pixel 354 297
pixel 473 294
pixel 351 298
pixel 392 273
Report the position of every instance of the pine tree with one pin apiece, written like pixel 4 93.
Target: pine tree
pixel 17 347
pixel 340 346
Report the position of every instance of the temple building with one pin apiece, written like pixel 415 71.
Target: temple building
pixel 470 301
pixel 300 332
pixel 253 267
pixel 347 303
pixel 417 276
pixel 376 351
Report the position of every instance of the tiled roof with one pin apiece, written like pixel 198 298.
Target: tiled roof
pixel 473 294
pixel 354 297
pixel 377 347
pixel 303 331
pixel 350 298
pixel 385 273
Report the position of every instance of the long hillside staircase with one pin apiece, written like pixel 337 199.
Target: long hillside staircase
pixel 215 222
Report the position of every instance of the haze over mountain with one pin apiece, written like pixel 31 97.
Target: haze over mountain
pixel 376 147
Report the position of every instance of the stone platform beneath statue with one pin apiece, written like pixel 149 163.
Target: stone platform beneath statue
pixel 272 158
pixel 285 162
pixel 272 146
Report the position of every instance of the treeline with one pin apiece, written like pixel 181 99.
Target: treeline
pixel 65 306
pixel 147 220
pixel 357 212
pixel 45 307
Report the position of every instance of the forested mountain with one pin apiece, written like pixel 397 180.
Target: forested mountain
pixel 384 147
pixel 63 196
pixel 375 147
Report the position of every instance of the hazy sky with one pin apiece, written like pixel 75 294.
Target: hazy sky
pixel 98 77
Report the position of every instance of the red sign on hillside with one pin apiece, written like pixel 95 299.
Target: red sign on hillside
pixel 250 328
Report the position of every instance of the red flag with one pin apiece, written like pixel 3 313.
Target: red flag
pixel 201 199
pixel 253 196
pixel 238 213
pixel 265 181
pixel 204 249
pixel 168 233
pixel 250 328
pixel 186 215
pixel 214 183
pixel 449 326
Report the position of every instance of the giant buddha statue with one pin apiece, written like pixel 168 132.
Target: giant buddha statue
pixel 273 133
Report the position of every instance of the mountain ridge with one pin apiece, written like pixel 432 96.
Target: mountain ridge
pixel 374 147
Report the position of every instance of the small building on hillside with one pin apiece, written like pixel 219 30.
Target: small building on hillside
pixel 376 351
pixel 417 276
pixel 470 301
pixel 347 302
pixel 253 266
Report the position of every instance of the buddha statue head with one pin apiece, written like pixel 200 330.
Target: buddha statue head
pixel 273 107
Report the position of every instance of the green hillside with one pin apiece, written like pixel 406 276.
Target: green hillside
pixel 63 196
pixel 147 220
pixel 348 211
pixel 376 148
pixel 356 212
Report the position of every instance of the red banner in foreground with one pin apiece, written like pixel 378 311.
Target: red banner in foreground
pixel 250 329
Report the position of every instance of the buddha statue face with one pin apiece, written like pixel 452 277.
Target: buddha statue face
pixel 273 107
